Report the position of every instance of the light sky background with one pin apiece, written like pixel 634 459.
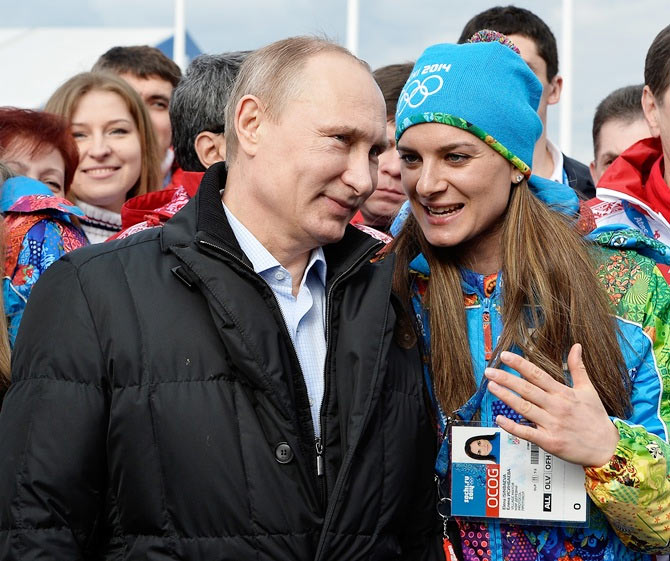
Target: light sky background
pixel 611 37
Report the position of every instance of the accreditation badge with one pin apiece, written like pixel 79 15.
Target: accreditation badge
pixel 497 475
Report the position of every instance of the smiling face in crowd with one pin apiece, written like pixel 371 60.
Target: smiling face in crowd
pixel 458 188
pixel 110 155
pixel 318 158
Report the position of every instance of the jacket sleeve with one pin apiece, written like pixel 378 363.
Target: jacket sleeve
pixel 53 426
pixel 633 489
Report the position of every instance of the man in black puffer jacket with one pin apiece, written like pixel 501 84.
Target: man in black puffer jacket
pixel 163 401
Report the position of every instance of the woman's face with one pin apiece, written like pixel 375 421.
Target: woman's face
pixel 481 447
pixel 458 188
pixel 110 154
pixel 46 166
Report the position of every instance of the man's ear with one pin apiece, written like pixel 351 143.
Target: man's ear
pixel 555 87
pixel 650 109
pixel 249 115
pixel 210 148
pixel 592 169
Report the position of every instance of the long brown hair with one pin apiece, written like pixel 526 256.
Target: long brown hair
pixel 551 299
pixel 64 102
pixel 5 350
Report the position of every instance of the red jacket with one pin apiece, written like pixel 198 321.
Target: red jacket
pixel 153 209
pixel 635 177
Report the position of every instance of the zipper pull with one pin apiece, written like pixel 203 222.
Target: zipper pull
pixel 319 457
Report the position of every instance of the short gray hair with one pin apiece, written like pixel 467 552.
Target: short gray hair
pixel 272 74
pixel 198 103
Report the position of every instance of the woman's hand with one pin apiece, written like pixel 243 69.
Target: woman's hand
pixel 570 422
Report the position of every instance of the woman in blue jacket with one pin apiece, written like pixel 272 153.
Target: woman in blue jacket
pixel 491 251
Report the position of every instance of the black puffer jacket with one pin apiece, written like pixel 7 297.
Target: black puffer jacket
pixel 155 388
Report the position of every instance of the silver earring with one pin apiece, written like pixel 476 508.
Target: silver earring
pixel 519 178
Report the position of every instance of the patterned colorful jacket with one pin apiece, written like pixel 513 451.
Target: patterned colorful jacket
pixel 38 231
pixel 630 488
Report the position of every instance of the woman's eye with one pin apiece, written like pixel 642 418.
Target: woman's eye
pixel 54 186
pixel 456 158
pixel 78 135
pixel 118 131
pixel 409 158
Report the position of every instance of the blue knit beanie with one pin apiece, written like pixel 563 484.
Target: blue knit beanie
pixel 486 88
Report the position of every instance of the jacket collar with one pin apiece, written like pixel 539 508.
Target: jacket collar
pixel 203 219
pixel 636 176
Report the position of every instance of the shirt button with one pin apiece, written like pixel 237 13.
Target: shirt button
pixel 311 402
pixel 280 276
pixel 283 453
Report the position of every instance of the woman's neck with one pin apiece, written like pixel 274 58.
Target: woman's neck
pixel 482 254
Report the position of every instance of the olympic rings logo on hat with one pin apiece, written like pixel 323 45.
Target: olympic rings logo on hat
pixel 415 93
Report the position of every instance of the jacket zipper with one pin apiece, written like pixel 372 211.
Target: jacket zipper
pixel 319 445
pixel 318 441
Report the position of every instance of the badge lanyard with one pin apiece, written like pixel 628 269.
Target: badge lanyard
pixel 637 218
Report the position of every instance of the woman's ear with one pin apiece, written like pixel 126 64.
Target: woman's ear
pixel 515 176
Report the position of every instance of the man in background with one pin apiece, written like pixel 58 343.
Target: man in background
pixel 617 124
pixel 197 114
pixel 634 190
pixel 537 45
pixel 382 206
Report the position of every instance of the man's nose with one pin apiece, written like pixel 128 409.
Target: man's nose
pixel 360 174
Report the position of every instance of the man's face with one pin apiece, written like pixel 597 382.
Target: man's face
pixel 316 163
pixel 155 93
pixel 615 136
pixel 551 91
pixel 380 209
pixel 657 113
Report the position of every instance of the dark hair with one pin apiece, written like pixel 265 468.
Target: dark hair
pixel 140 60
pixel 39 131
pixel 511 20
pixel 657 64
pixel 624 104
pixel 198 103
pixel 469 452
pixel 391 79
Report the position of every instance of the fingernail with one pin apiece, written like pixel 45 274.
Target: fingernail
pixel 505 355
pixel 490 373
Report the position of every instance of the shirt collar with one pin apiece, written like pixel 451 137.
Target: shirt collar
pixel 261 259
pixel 557 157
